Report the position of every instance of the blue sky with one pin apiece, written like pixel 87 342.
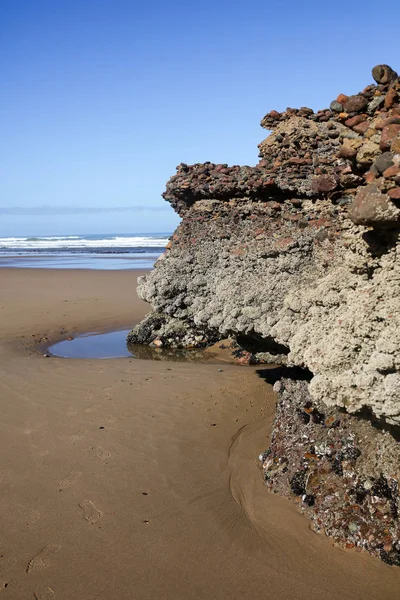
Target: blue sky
pixel 101 99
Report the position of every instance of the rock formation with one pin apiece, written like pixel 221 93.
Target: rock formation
pixel 298 253
pixel 342 471
pixel 297 257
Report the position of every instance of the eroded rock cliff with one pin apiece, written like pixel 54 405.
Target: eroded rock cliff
pixel 299 255
pixel 297 259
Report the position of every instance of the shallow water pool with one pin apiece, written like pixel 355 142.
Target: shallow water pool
pixel 113 345
pixel 93 345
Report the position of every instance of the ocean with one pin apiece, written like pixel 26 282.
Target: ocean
pixel 108 251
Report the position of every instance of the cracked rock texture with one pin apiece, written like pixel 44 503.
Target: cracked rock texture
pixel 299 255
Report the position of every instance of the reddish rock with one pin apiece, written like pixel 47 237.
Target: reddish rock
pixel 372 207
pixel 370 176
pixel 324 183
pixel 275 206
pixel 394 193
pixel 380 123
pixel 342 98
pixel 284 243
pixel 355 120
pixel 347 151
pixel 383 74
pixel 361 127
pixel 389 133
pixel 317 223
pixel 393 120
pixel 298 161
pixel 390 98
pixel 391 172
pixel 355 103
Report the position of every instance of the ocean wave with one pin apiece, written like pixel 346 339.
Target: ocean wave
pixel 77 242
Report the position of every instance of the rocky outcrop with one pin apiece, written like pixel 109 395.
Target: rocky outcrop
pixel 298 256
pixel 297 260
pixel 342 472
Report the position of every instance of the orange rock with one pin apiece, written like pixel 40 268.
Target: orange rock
pixel 370 176
pixel 341 98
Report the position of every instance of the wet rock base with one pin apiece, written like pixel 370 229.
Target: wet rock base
pixel 343 471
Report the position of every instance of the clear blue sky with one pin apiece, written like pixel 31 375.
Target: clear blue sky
pixel 101 99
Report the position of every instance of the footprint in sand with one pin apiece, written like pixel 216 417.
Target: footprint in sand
pixel 40 561
pixel 106 394
pixel 90 512
pixel 91 409
pixel 44 594
pixel 102 453
pixel 70 479
pixel 110 419
pixel 76 437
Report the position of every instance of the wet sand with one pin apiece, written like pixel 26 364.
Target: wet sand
pixel 128 479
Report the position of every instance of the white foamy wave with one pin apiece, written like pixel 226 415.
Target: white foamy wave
pixel 76 242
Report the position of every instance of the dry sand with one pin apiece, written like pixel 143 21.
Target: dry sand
pixel 127 479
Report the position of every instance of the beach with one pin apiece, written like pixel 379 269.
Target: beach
pixel 130 479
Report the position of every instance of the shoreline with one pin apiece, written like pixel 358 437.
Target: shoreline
pixel 134 478
pixel 103 322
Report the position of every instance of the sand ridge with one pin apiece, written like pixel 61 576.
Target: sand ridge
pixel 130 479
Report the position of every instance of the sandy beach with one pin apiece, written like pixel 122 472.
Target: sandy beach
pixel 129 479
